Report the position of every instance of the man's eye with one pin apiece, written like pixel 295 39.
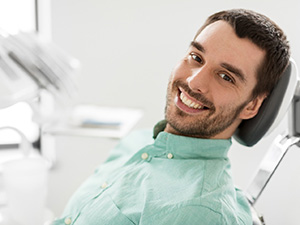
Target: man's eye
pixel 226 77
pixel 197 58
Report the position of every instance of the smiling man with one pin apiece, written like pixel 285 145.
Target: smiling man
pixel 183 176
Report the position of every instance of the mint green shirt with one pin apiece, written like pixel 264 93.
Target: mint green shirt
pixel 172 180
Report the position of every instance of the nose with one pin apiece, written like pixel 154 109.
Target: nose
pixel 199 80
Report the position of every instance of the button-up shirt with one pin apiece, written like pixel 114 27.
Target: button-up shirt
pixel 172 180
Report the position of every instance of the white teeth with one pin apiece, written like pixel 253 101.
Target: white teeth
pixel 189 102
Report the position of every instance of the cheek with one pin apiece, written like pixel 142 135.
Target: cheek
pixel 223 99
pixel 232 96
pixel 180 71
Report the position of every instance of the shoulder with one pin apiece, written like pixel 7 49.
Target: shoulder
pixel 130 144
pixel 138 138
pixel 135 141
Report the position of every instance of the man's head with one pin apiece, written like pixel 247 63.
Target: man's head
pixel 232 64
pixel 265 34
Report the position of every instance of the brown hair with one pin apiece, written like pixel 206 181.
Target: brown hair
pixel 265 34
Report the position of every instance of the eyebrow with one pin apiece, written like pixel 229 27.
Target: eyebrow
pixel 234 70
pixel 197 46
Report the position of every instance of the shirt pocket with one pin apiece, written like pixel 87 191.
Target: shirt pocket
pixel 102 211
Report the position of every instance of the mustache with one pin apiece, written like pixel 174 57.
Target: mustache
pixel 198 96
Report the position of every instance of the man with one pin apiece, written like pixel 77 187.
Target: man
pixel 183 176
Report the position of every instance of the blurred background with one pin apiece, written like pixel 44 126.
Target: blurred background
pixel 127 50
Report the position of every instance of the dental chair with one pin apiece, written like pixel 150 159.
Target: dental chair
pixel 284 98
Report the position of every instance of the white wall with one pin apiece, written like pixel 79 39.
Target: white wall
pixel 128 49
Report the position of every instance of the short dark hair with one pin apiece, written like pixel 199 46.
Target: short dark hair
pixel 266 35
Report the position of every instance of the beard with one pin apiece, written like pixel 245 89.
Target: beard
pixel 204 125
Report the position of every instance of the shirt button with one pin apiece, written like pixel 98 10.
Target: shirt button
pixel 68 221
pixel 170 156
pixel 145 156
pixel 104 185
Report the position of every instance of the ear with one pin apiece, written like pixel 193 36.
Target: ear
pixel 251 109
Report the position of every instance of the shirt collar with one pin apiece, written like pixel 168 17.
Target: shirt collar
pixel 189 147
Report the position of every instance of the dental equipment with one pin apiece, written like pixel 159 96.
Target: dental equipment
pixel 38 73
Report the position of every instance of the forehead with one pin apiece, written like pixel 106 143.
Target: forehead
pixel 222 45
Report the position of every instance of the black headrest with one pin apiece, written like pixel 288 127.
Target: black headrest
pixel 251 131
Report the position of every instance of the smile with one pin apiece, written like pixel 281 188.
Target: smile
pixel 188 102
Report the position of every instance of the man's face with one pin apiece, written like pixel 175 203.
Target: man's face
pixel 209 91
